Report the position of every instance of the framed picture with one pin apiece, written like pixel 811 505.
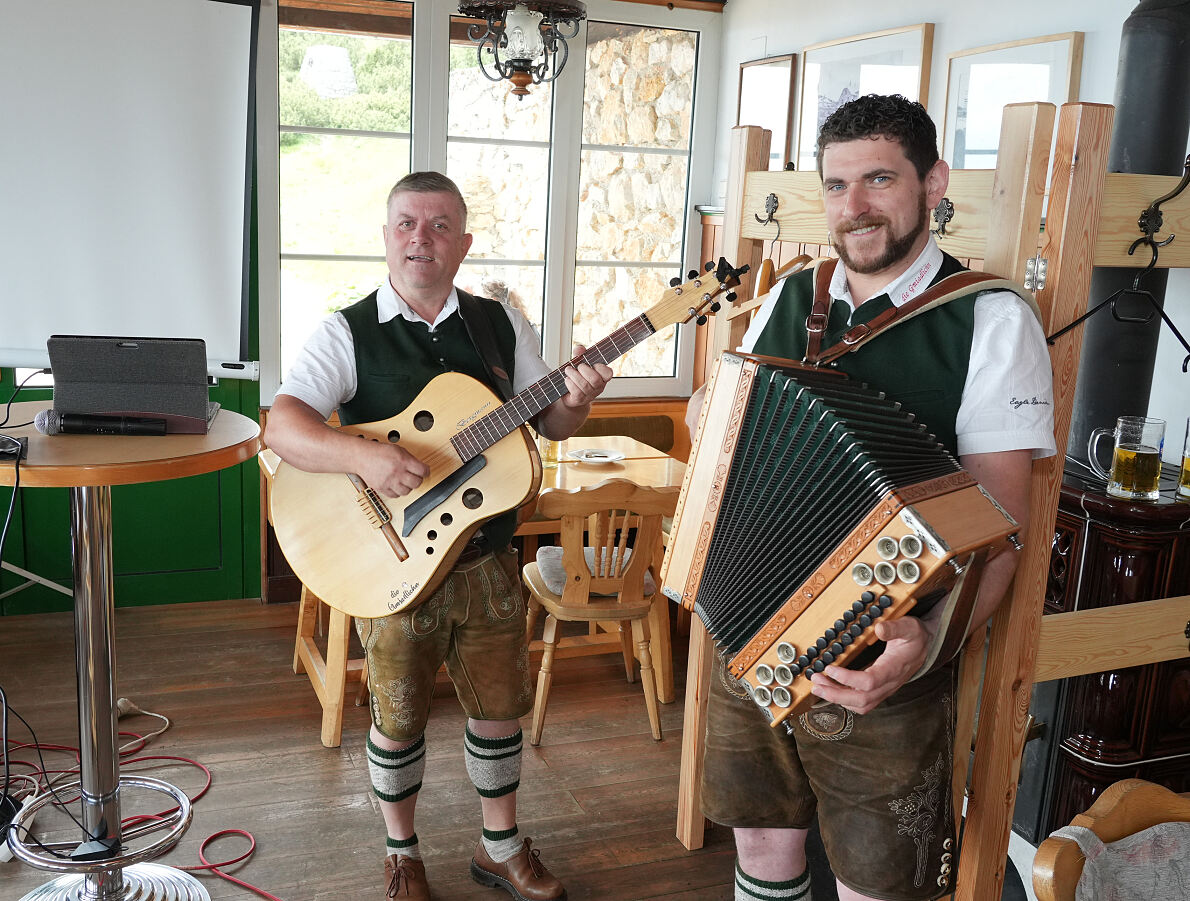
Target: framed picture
pixel 980 81
pixel 766 99
pixel 896 61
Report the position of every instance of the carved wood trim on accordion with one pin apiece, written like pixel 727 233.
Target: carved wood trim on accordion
pixel 812 507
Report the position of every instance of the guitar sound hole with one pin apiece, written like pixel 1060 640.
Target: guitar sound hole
pixel 447 519
pixel 472 498
pixel 423 421
pixel 394 436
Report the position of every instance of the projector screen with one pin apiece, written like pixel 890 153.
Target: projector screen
pixel 125 173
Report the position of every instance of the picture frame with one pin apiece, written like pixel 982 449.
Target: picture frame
pixel 766 98
pixel 893 61
pixel 982 80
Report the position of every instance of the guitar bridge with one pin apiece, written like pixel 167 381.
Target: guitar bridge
pixel 374 508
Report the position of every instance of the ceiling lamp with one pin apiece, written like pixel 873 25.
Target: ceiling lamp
pixel 524 40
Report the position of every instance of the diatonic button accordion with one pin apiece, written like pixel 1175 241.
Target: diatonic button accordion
pixel 813 507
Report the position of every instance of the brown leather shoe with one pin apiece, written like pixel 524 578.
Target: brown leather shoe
pixel 523 875
pixel 405 877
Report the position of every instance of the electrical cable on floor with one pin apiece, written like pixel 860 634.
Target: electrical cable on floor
pixel 41 779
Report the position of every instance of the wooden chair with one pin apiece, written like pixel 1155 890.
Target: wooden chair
pixel 1123 809
pixel 610 537
pixel 329 673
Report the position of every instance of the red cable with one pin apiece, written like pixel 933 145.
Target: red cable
pixel 142 818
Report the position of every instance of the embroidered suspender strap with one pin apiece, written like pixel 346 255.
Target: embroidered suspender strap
pixel 819 310
pixel 482 335
pixel 961 284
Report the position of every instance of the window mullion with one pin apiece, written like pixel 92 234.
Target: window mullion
pixel 431 80
pixel 562 215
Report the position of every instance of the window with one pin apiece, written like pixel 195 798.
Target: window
pixel 581 196
pixel 344 139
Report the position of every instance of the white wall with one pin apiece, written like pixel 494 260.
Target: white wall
pixel 753 29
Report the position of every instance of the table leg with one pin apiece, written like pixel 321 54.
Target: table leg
pixel 99 857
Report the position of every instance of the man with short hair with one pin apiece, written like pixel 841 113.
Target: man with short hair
pixel 369 361
pixel 873 757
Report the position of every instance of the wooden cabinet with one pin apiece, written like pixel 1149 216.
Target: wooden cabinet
pixel 1126 723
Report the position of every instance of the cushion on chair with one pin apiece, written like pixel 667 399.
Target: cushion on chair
pixel 1145 866
pixel 549 564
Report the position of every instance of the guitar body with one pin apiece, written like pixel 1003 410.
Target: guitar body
pixel 334 543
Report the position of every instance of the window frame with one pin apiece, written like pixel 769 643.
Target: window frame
pixel 430 69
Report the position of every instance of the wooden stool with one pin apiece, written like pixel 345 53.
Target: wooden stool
pixel 329 675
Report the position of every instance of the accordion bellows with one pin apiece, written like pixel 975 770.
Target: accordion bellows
pixel 813 506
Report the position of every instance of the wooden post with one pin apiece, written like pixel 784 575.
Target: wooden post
pixel 749 153
pixel 1084 133
pixel 1014 227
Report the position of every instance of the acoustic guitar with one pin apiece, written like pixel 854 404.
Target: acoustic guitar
pixel 370 555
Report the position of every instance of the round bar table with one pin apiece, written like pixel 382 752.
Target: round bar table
pixel 89 465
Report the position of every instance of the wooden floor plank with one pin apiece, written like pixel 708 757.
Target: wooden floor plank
pixel 598 796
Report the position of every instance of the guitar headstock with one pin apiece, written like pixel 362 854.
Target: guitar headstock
pixel 698 296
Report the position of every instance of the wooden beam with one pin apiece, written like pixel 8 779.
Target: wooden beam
pixel 1110 638
pixel 1084 134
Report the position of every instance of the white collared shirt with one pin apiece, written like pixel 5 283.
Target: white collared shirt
pixel 1008 395
pixel 323 375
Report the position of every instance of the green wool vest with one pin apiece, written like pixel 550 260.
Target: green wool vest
pixel 395 360
pixel 922 362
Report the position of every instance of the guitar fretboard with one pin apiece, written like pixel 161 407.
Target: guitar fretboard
pixel 514 413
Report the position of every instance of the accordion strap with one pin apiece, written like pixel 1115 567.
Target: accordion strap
pixel 961 284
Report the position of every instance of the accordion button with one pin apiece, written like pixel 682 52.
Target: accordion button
pixel 827 657
pixel 802 662
pixel 874 611
pixel 812 652
pixel 859 606
pixel 795 669
pixel 865 620
pixel 782 697
pixel 885 601
pixel 821 643
pixel 818 666
pixel 845 639
pixel 837 647
pixel 786 652
pixel 830 634
pixel 887 548
pixel 861 573
pixel 849 616
pixel 868 596
pixel 764 674
pixel 784 676
pixel 840 625
pixel 856 630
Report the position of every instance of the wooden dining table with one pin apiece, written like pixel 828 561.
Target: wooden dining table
pixel 642 464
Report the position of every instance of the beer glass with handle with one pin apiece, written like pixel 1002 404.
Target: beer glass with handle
pixel 1136 457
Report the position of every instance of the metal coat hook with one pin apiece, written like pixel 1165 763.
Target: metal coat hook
pixel 1149 222
pixel 770 207
pixel 943 213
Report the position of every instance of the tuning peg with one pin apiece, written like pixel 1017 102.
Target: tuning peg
pixel 715 307
pixel 731 296
pixel 674 282
pixel 708 266
pixel 701 320
pixel 693 273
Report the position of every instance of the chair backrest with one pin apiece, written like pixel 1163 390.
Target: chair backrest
pixel 620 522
pixel 1123 809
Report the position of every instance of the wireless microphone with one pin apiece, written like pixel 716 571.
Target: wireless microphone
pixel 51 422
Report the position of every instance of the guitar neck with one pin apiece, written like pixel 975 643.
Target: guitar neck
pixel 514 413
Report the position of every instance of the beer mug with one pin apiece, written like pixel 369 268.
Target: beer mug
pixel 1136 459
pixel 1184 478
pixel 549 451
